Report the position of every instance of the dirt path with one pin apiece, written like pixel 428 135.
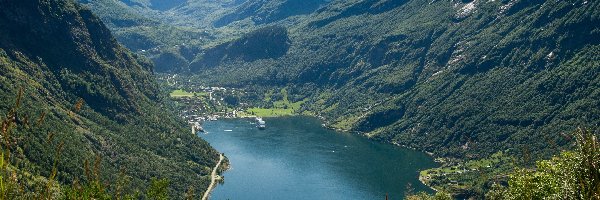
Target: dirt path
pixel 213 178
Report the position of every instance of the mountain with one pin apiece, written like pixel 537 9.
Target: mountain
pixel 474 78
pixel 90 98
pixel 268 11
pixel 462 80
pixel 264 43
pixel 173 33
pixel 141 26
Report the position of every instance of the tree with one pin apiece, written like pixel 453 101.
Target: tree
pixel 158 189
pixel 571 175
pixel 232 100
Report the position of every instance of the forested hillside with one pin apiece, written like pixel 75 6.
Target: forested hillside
pixel 87 97
pixel 268 11
pixel 459 79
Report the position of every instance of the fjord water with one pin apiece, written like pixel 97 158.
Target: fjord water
pixel 296 158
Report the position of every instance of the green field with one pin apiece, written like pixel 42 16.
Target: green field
pixel 268 112
pixel 183 93
pixel 280 108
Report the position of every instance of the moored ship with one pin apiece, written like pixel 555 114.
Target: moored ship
pixel 260 123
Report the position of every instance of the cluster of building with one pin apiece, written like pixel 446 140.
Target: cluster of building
pixel 209 106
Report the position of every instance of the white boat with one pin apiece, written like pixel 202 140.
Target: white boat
pixel 260 123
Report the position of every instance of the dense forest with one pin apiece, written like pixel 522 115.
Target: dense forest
pixel 80 109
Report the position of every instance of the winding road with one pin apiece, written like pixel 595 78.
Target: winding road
pixel 213 178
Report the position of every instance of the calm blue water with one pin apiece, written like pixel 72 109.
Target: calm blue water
pixel 295 158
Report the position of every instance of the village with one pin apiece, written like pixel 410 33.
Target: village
pixel 197 103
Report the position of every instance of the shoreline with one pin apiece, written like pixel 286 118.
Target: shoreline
pixel 213 177
pixel 423 182
pixel 430 154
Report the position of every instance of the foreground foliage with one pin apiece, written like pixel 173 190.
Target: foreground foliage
pixel 18 182
pixel 571 175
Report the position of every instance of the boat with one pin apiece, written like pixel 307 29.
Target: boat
pixel 260 123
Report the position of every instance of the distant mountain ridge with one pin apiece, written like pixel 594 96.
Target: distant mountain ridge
pixel 166 34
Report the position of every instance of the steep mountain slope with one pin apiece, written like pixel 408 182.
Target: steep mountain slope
pixel 268 11
pixel 171 36
pixel 268 42
pixel 59 52
pixel 460 79
pixel 142 27
pixel 156 4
